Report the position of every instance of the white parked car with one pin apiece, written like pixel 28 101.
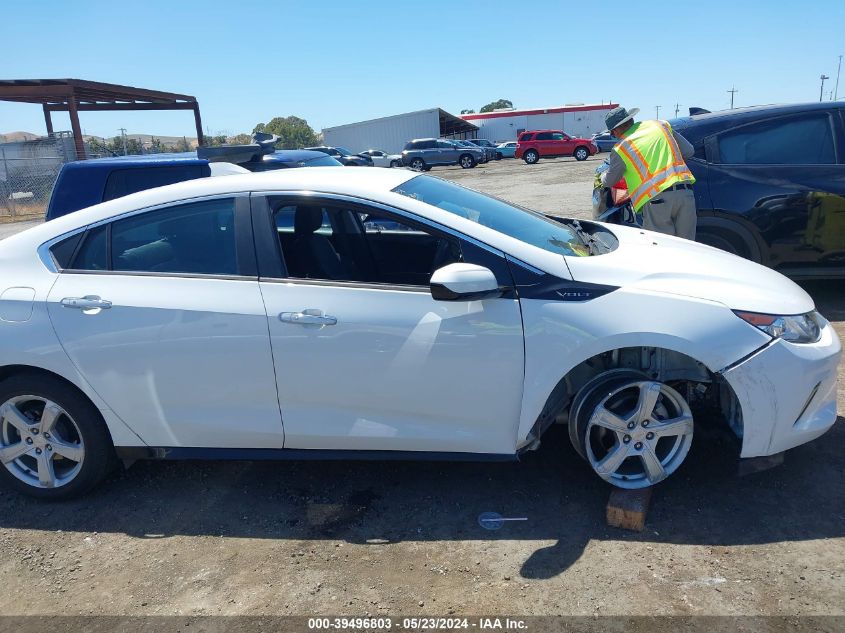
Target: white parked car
pixel 325 312
pixel 383 159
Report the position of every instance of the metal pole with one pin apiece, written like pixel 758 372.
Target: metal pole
pixel 821 90
pixel 677 108
pixel 657 108
pixel 77 131
pixel 836 90
pixel 123 136
pixel 733 91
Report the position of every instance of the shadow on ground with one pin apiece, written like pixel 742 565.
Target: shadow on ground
pixel 704 503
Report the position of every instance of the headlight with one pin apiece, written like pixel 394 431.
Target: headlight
pixel 799 328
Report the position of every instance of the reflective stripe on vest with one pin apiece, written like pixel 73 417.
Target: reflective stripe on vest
pixel 653 161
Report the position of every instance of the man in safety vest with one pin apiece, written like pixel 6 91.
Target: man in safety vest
pixel 650 156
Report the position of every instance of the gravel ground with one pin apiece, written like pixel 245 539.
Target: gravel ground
pixel 230 538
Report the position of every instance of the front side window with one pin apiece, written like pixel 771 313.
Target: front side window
pixel 445 145
pixel 332 242
pixel 522 224
pixel 196 238
pixel 796 141
pixel 557 136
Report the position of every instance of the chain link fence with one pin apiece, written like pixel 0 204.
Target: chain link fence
pixel 28 170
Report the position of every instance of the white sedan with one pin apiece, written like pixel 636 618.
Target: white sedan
pixel 383 159
pixel 382 313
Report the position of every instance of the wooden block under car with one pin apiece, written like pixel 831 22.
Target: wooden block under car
pixel 627 509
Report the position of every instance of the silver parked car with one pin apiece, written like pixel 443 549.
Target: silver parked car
pixel 424 153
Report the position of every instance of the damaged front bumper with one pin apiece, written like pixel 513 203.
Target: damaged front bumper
pixel 787 393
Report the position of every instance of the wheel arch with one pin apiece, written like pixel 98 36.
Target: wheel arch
pixel 658 362
pixel 747 234
pixel 119 433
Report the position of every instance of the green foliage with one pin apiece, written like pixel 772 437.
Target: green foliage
pixel 293 132
pixel 496 105
pixel 240 139
pixel 467 111
pixel 211 141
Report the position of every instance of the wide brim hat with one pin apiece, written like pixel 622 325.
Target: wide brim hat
pixel 618 116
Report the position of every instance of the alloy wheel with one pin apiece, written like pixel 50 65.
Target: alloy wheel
pixel 638 434
pixel 417 164
pixel 40 443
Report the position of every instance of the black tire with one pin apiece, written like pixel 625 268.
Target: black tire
pixel 99 456
pixel 394 163
pixel 499 156
pixel 581 153
pixel 467 161
pixel 427 168
pixel 531 157
pixel 723 240
pixel 417 164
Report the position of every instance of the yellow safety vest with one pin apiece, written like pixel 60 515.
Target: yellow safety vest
pixel 653 161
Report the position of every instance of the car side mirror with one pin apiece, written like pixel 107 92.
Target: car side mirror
pixel 464 282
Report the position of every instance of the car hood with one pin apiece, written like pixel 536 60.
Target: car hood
pixel 659 263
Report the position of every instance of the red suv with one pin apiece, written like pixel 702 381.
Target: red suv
pixel 551 143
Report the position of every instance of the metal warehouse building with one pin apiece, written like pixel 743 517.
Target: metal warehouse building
pixel 390 133
pixel 506 125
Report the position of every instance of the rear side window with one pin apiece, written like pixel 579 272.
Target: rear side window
pixel 94 252
pixel 122 182
pixel 64 250
pixel 796 141
pixel 544 136
pixel 526 137
pixel 194 238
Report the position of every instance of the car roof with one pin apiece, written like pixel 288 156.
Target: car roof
pixel 714 121
pixel 142 160
pixel 292 156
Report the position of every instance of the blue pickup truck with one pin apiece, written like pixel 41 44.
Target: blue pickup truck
pixel 85 183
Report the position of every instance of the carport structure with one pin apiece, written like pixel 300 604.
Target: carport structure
pixel 77 95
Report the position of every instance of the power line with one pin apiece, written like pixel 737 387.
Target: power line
pixel 733 91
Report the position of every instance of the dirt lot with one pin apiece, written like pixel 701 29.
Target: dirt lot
pixel 403 538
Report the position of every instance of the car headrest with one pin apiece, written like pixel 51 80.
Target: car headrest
pixel 307 220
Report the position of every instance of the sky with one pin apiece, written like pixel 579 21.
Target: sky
pixel 334 61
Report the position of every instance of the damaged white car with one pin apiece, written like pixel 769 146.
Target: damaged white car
pixel 327 313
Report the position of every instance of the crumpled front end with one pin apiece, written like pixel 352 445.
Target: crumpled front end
pixel 787 392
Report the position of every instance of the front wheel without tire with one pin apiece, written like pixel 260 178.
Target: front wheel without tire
pixel 634 432
pixel 54 443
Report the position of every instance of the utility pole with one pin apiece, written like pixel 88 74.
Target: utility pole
pixel 657 108
pixel 677 108
pixel 733 91
pixel 836 90
pixel 123 136
pixel 821 90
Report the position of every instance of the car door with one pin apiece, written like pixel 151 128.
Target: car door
pixel 162 313
pixel 448 152
pixel 561 143
pixel 786 177
pixel 365 358
pixel 544 144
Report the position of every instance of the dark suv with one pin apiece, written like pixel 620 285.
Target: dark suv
pixel 344 155
pixel 424 153
pixel 770 184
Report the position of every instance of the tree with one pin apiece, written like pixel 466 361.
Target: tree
pixel 182 145
pixel 496 105
pixel 467 111
pixel 240 139
pixel 211 141
pixel 293 132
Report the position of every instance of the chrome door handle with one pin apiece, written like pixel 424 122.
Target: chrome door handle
pixel 310 316
pixel 88 302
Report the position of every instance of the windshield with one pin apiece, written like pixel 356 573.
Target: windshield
pixel 527 226
pixel 321 161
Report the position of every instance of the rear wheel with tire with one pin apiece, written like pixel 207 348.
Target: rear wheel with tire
pixel 633 431
pixel 466 161
pixel 499 156
pixel 581 153
pixel 417 164
pixel 531 156
pixel 394 163
pixel 54 443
